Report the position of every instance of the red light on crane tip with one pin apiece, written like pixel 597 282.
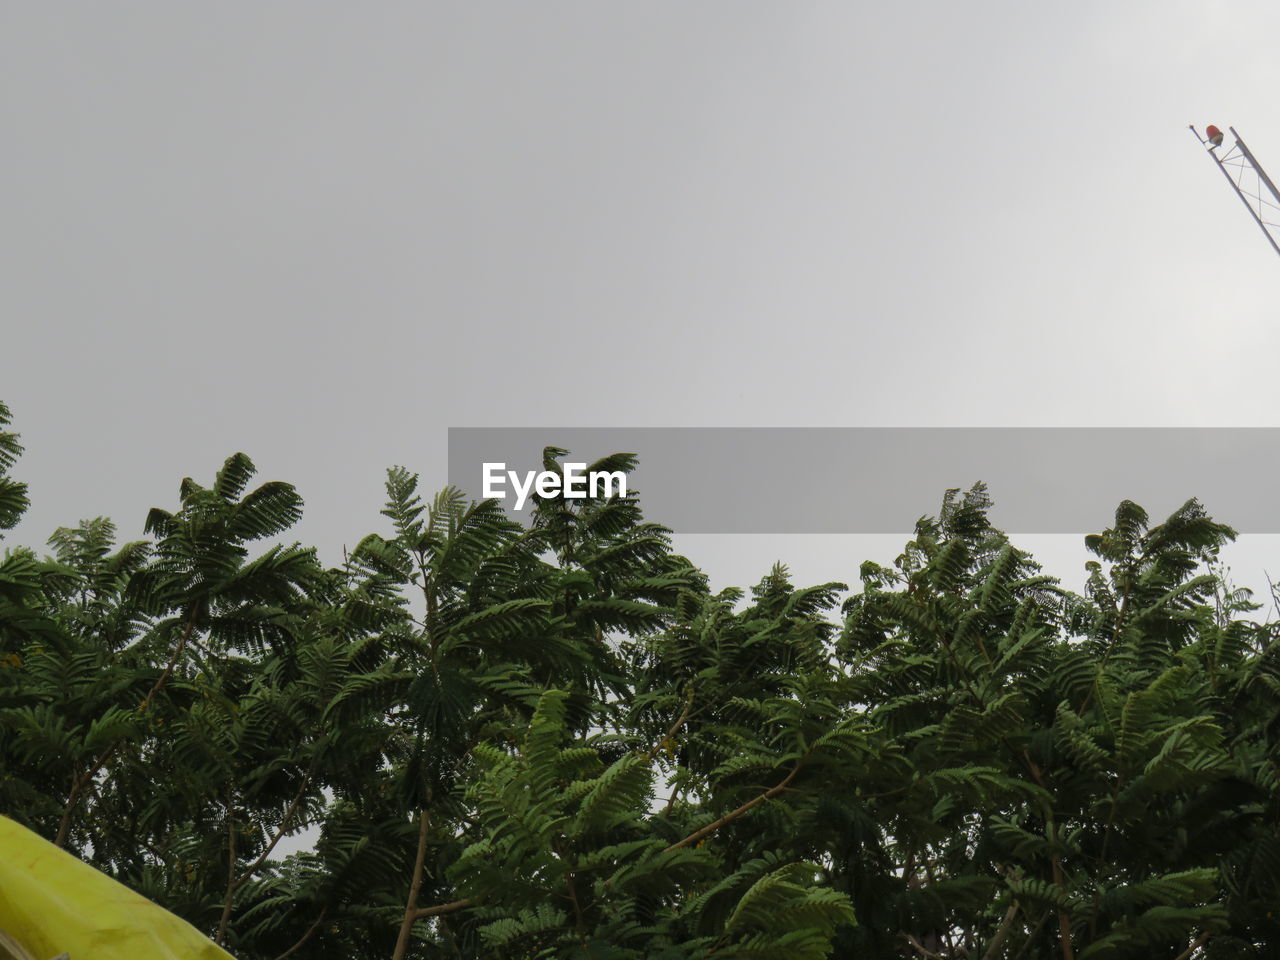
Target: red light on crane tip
pixel 1214 135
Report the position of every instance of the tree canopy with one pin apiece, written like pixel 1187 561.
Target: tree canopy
pixel 553 739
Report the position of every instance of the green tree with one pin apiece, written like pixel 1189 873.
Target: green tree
pixel 553 740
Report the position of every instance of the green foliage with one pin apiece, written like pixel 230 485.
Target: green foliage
pixel 554 740
pixel 570 860
pixel 13 494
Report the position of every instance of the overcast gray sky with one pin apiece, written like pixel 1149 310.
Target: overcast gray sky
pixel 323 233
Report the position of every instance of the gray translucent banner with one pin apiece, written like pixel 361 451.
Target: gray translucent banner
pixel 882 479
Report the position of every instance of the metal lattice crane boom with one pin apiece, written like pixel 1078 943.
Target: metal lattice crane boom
pixel 1247 179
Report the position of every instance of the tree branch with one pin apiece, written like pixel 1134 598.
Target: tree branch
pixel 1002 933
pixel 234 880
pixel 232 884
pixel 749 805
pixel 675 727
pixel 1064 922
pixel 920 948
pixel 282 829
pixel 411 913
pixel 78 783
pixel 306 936
pixel 442 908
pixel 1196 944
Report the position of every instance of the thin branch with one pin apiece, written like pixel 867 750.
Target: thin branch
pixel 173 661
pixel 671 800
pixel 1002 934
pixel 1064 922
pixel 442 908
pixel 1059 881
pixel 284 825
pixel 234 880
pixel 78 783
pixel 1196 944
pixel 749 805
pixel 231 872
pixel 921 949
pixel 306 936
pixel 410 905
pixel 1035 932
pixel 675 727
pixel 579 920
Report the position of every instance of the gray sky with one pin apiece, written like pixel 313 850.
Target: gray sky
pixel 323 233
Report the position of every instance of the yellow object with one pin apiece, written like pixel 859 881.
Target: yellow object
pixel 51 903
